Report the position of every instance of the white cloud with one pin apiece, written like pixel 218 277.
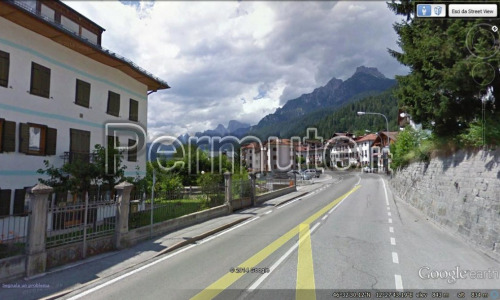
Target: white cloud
pixel 214 54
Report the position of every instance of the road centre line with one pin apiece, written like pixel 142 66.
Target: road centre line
pixel 399 282
pixel 385 191
pixel 229 278
pixel 305 285
pixel 390 221
pixel 389 214
pixel 388 208
pixel 395 258
pixel 393 241
pixel 391 229
pixel 279 261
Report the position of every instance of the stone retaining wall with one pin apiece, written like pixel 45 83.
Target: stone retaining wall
pixel 461 192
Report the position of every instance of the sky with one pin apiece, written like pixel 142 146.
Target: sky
pixel 240 60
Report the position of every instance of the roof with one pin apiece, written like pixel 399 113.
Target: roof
pixel 23 15
pixel 368 137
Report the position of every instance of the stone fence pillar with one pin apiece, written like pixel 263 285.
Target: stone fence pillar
pixel 253 180
pixel 227 190
pixel 36 259
pixel 122 211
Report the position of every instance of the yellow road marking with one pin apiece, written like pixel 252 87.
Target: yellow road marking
pixel 305 288
pixel 225 281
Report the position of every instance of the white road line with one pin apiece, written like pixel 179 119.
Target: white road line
pixel 391 229
pixel 390 221
pixel 393 241
pixel 96 288
pixel 389 214
pixel 279 261
pixel 388 208
pixel 359 180
pixel 385 191
pixel 288 203
pixel 326 216
pixel 399 282
pixel 395 258
pixel 268 212
pixel 227 230
pixel 331 210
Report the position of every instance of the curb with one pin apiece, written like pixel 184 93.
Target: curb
pixel 288 200
pixel 201 236
pixel 164 251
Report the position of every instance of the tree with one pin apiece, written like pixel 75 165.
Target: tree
pixel 454 65
pixel 78 175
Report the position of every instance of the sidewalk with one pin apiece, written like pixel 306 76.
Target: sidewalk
pixel 61 280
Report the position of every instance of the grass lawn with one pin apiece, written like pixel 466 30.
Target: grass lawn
pixel 166 210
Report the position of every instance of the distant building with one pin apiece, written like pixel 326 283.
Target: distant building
pixel 58 88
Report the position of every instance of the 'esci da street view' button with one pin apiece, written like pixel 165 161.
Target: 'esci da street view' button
pixel 472 10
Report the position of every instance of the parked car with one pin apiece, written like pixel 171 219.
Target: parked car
pixel 367 169
pixel 307 175
pixel 312 172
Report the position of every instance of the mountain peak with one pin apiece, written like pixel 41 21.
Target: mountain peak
pixel 370 71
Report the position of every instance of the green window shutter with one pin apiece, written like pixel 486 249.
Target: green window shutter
pixel 82 93
pixel 79 141
pixel 40 80
pixel 24 137
pixel 19 196
pixel 51 141
pixel 132 154
pixel 133 110
pixel 5 202
pixel 4 68
pixel 113 104
pixel 9 136
pixel 36 81
pixel 45 82
pixel 86 141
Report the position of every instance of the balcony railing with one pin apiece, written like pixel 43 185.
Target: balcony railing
pixel 34 12
pixel 71 157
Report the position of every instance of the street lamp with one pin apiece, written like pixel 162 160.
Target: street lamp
pixel 362 113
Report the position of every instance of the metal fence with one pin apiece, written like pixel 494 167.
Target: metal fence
pixel 273 184
pixel 241 192
pixel 80 222
pixel 13 234
pixel 172 204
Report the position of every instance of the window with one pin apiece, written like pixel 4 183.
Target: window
pixel 79 141
pixel 19 197
pixel 36 139
pixel 5 202
pixel 133 110
pixel 113 104
pixel 7 136
pixel 4 68
pixel 40 80
pixel 274 149
pixel 132 152
pixel 82 96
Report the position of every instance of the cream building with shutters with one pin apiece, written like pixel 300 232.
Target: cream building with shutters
pixel 58 87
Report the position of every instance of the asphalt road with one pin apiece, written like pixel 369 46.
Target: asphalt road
pixel 348 234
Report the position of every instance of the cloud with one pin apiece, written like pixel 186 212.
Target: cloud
pixel 213 54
